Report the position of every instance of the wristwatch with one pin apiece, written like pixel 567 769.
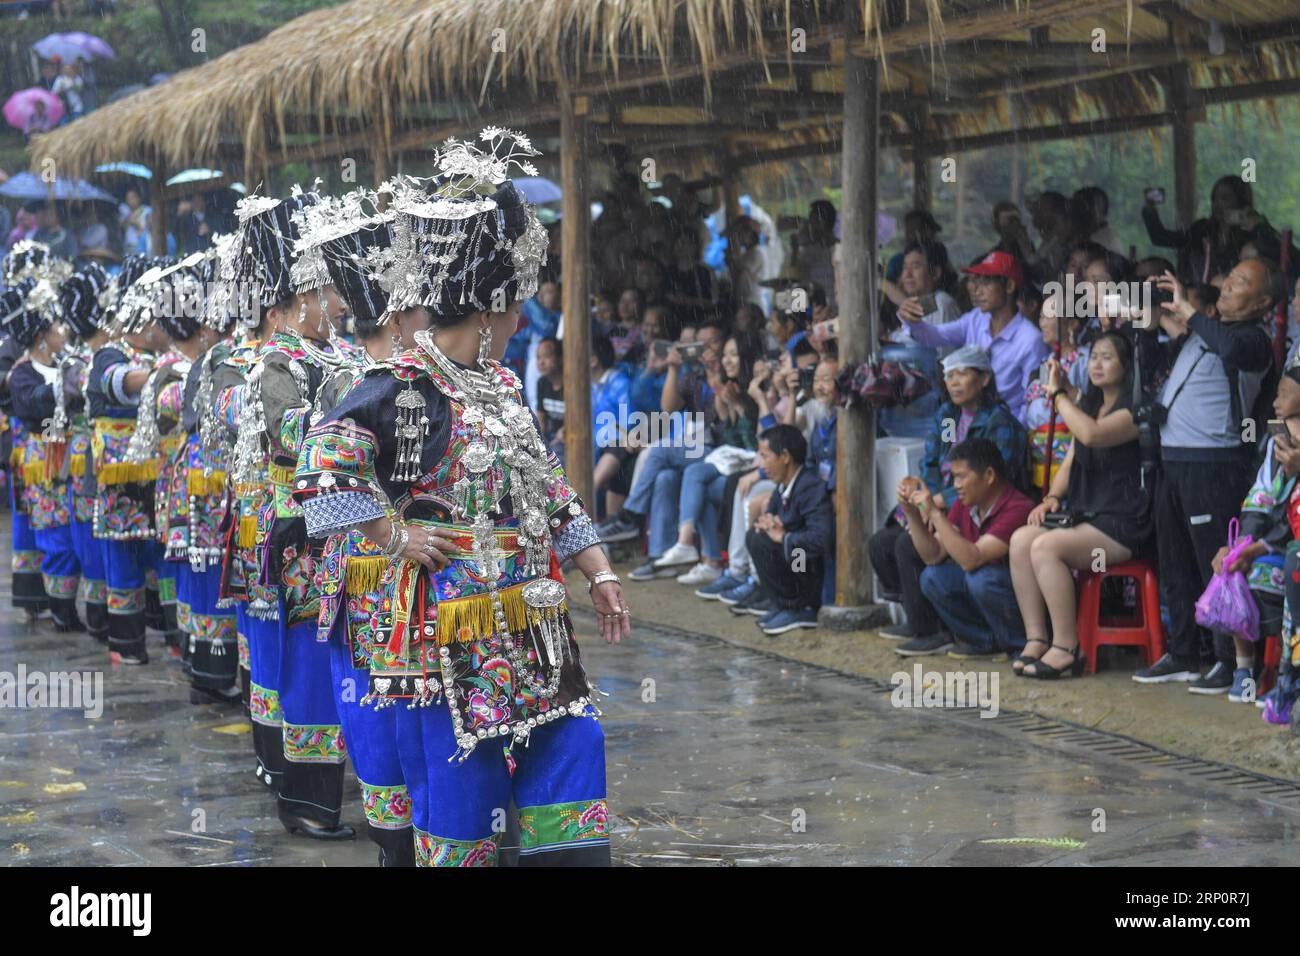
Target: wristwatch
pixel 601 577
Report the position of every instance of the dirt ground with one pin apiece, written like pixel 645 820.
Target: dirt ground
pixel 1167 716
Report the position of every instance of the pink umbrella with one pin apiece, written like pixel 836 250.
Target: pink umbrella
pixel 20 107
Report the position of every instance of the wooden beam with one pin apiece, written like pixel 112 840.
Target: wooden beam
pixel 982 23
pixel 859 301
pixel 576 309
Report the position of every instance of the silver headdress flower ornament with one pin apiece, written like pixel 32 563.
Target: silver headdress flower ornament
pixel 464 240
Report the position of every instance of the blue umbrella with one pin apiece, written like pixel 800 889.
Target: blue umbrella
pixel 31 186
pixel 131 169
pixel 538 190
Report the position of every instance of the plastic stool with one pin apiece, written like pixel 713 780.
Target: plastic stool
pixel 1144 630
pixel 1272 660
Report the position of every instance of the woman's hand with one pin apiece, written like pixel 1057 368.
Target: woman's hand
pixel 613 616
pixel 1049 505
pixel 1288 456
pixel 1056 380
pixel 428 546
pixel 910 310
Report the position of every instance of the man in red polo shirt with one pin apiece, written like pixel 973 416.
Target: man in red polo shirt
pixel 967 580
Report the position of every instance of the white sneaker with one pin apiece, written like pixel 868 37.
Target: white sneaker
pixel 679 554
pixel 700 575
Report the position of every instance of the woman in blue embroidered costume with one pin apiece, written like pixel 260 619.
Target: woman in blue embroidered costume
pixel 85 296
pixel 35 386
pixel 292 364
pixel 189 494
pixel 123 520
pixel 27 260
pixel 470 639
pixel 338 236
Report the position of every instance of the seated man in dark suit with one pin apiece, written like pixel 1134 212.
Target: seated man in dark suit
pixel 789 544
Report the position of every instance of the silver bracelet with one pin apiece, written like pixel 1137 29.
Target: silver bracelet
pixel 601 577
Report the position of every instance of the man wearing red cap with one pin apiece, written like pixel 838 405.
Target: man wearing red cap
pixel 1014 344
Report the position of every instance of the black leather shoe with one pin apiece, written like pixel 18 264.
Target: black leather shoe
pixel 297 825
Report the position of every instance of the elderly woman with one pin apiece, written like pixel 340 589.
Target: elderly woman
pixel 436 459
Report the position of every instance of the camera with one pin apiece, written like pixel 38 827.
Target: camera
pixel 1150 413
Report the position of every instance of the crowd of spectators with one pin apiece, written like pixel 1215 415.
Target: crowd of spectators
pixel 107 232
pixel 1088 407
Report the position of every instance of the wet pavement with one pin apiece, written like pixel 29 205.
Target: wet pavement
pixel 716 756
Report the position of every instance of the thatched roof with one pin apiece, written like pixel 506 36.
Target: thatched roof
pixel 686 75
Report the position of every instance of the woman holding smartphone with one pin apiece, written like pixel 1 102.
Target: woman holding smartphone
pixel 1109 508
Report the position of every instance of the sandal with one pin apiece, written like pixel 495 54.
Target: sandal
pixel 1024 659
pixel 1048 672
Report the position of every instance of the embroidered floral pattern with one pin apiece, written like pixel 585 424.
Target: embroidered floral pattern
pixel 432 851
pixel 122 601
pixel 314 743
pixel 26 562
pixel 388 808
pixel 61 586
pixel 264 705
pixel 554 826
pixel 94 591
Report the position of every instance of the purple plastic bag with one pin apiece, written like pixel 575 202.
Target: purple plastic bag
pixel 1227 604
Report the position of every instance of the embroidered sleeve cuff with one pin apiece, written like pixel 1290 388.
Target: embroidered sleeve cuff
pixel 578 535
pixel 346 509
pixel 115 385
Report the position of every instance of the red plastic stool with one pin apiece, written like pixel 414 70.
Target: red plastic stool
pixel 1272 660
pixel 1144 630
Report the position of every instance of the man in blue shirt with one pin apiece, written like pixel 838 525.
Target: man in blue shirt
pixel 1015 345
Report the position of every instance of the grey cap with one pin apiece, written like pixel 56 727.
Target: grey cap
pixel 968 356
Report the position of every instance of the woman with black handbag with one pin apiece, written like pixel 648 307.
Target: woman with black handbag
pixel 1108 514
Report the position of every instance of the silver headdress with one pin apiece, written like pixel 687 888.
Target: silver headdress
pixel 321 223
pixel 464 240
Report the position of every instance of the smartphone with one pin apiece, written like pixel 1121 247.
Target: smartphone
pixel 1155 195
pixel 782 300
pixel 1278 431
pixel 806 376
pixel 691 351
pixel 929 303
pixel 662 347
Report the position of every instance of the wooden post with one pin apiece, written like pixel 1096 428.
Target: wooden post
pixel 1184 146
pixel 158 218
pixel 920 158
pixel 576 308
pixel 381 161
pixel 730 201
pixel 859 298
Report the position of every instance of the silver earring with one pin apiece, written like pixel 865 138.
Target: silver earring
pixel 484 343
pixel 323 326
